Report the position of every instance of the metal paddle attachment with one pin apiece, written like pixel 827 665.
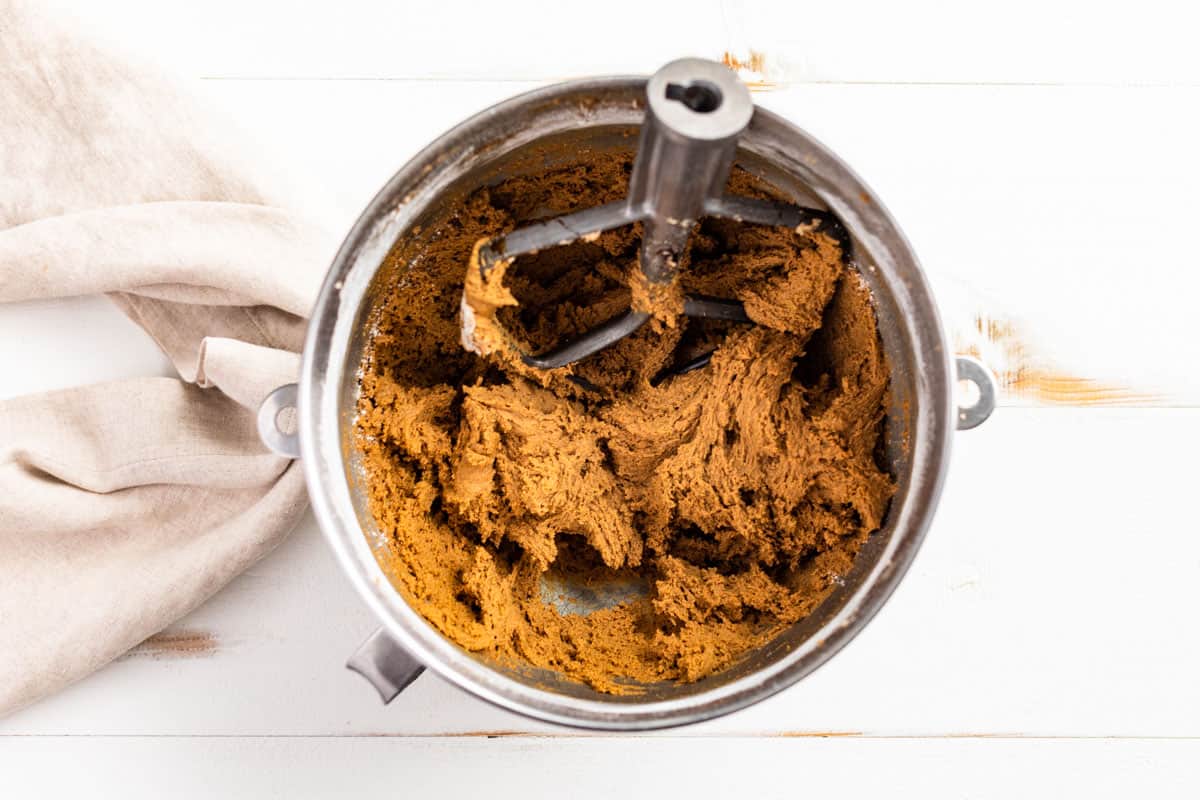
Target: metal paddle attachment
pixel 695 112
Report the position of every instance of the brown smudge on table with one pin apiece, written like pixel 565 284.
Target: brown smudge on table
pixel 752 70
pixel 182 643
pixel 754 62
pixel 1023 373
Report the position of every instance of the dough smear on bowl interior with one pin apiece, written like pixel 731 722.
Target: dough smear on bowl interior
pixel 730 498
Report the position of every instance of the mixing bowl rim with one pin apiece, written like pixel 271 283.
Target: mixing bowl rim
pixel 321 420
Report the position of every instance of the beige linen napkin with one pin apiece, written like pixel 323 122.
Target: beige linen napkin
pixel 125 505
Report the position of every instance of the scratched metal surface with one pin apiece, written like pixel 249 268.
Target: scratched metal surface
pixel 1044 170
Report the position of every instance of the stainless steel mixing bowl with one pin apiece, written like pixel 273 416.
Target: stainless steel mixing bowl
pixel 531 132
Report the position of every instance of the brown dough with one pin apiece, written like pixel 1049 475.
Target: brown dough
pixel 736 494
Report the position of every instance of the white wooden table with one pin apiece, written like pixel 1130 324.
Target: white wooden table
pixel 1043 160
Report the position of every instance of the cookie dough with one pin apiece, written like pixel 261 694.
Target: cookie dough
pixel 724 502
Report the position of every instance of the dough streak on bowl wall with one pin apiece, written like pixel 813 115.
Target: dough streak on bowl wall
pixel 712 508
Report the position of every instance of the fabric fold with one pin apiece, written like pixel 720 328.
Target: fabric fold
pixel 178 251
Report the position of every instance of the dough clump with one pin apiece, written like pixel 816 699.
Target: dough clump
pixel 731 498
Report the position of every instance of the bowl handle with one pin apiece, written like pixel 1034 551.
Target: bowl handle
pixel 973 371
pixel 277 421
pixel 386 665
